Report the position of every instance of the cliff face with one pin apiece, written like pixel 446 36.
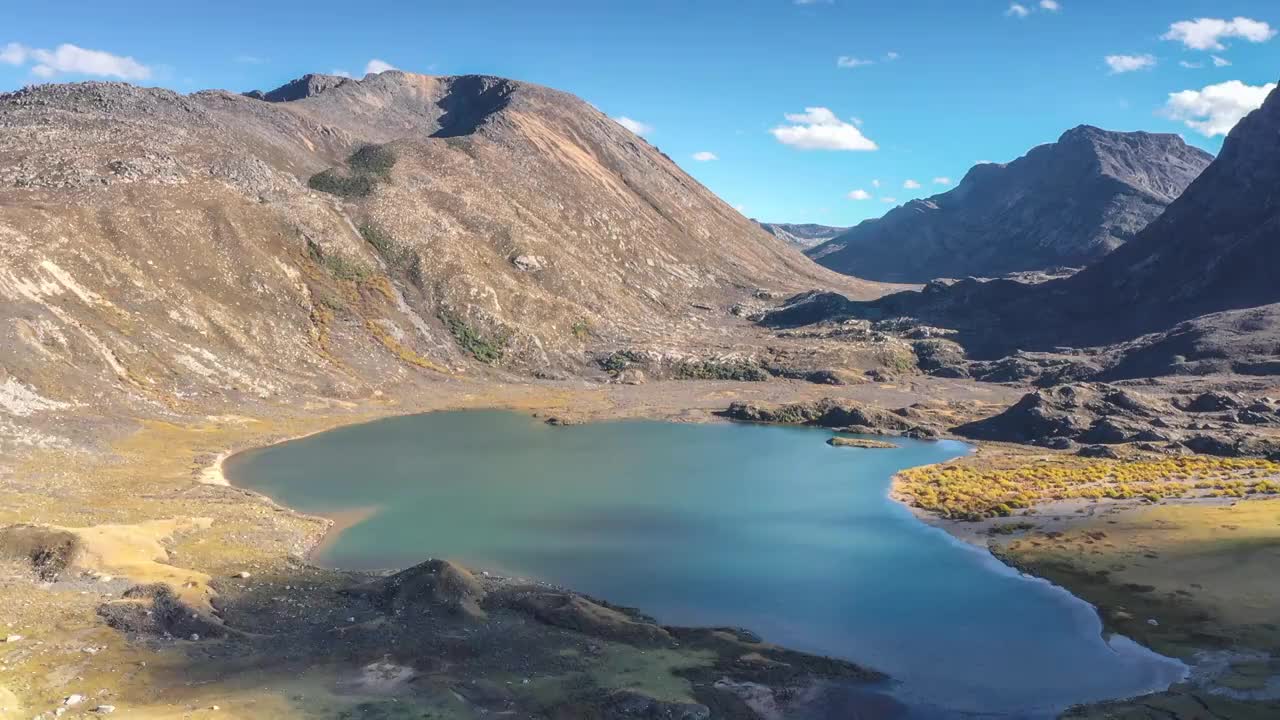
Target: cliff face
pixel 1217 247
pixel 162 250
pixel 1067 203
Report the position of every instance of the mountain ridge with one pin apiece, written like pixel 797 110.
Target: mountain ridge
pixel 1065 203
pixel 160 247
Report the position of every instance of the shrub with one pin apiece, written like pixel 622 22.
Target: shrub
pixel 336 183
pixel 373 160
pixel 390 249
pixel 366 166
pixel 482 349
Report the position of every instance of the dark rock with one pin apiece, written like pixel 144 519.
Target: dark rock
pixel 1056 443
pixel 1098 451
pixel 1211 402
pixel 942 358
pixel 1149 435
pixel 1249 417
pixel 1105 431
pixel 1211 445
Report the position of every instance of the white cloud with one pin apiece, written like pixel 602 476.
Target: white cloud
pixel 1215 109
pixel 249 59
pixel 875 183
pixel 1191 65
pixel 1017 10
pixel 340 73
pixel 889 200
pixel 891 56
pixel 1220 61
pixel 75 60
pixel 1208 33
pixel 634 126
pixel 705 156
pixel 13 54
pixel 859 194
pixel 817 128
pixel 911 185
pixel 942 181
pixel 1050 5
pixel 847 61
pixel 1130 63
pixel 376 66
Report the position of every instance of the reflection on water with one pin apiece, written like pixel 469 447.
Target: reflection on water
pixel 766 528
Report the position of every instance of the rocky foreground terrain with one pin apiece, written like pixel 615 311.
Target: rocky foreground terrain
pixel 184 276
pixel 1064 204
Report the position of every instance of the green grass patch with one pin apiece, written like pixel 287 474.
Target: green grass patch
pixel 481 348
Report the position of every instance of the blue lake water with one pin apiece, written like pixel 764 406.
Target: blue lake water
pixel 761 527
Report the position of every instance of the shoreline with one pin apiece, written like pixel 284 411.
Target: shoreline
pixel 155 469
pixel 970 535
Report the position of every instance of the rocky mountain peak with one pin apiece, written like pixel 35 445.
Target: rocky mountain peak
pixel 1065 203
pixel 308 85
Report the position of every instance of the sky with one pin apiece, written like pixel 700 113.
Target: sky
pixel 828 111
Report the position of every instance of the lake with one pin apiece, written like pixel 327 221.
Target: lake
pixel 761 527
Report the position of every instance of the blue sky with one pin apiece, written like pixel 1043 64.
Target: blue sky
pixel 926 89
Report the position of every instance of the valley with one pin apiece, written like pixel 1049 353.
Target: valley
pixel 187 277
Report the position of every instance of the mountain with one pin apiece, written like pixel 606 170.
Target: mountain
pixel 1066 203
pixel 1194 291
pixel 1216 248
pixel 801 235
pixel 338 236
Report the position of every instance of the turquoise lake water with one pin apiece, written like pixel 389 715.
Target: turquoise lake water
pixel 761 527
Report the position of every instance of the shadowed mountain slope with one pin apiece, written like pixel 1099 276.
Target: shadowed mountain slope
pixel 1066 203
pixel 1194 291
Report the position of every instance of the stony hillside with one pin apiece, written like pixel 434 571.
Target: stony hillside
pixel 802 235
pixel 340 236
pixel 1066 203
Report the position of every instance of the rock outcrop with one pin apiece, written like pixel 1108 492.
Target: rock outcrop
pixel 1066 203
pixel 1097 414
pixel 831 413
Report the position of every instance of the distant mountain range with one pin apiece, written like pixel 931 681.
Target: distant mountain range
pixel 1195 291
pixel 1066 203
pixel 802 235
